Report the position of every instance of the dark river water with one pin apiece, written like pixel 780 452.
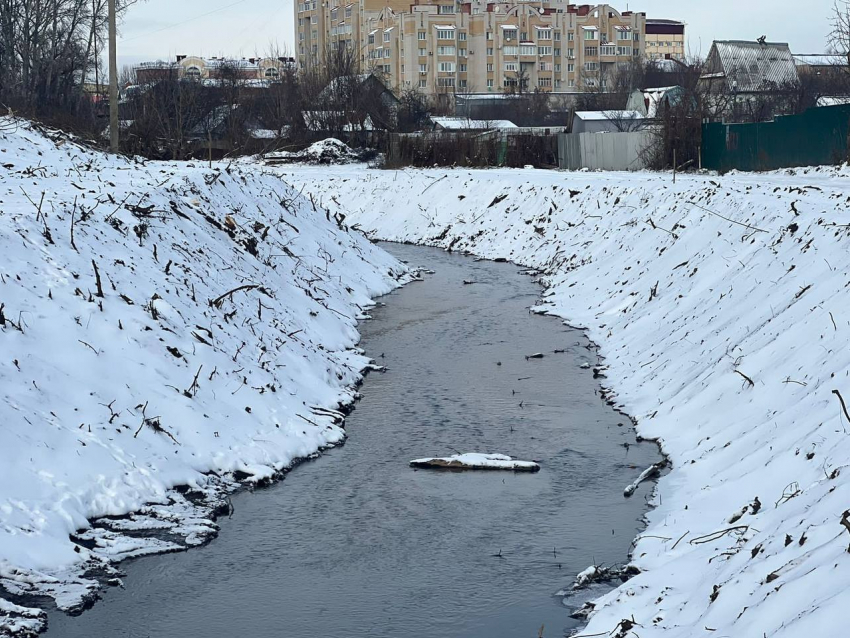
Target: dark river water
pixel 357 544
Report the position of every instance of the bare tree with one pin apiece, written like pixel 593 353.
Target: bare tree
pixel 839 35
pixel 48 50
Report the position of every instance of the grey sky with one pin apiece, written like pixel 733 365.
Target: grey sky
pixel 163 28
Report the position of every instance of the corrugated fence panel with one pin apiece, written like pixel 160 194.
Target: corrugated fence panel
pixel 816 137
pixel 603 151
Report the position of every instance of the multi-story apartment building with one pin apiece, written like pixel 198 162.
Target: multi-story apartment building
pixel 665 40
pixel 449 46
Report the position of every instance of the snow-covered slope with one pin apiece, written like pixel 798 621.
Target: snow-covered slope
pixel 161 325
pixel 720 305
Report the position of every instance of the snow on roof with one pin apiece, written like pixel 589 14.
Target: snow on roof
pixel 461 123
pixel 833 100
pixel 443 26
pixel 597 116
pixel 509 27
pixel 750 66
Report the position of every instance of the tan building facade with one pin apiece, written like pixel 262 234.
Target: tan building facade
pixel 476 46
pixel 198 68
pixel 665 40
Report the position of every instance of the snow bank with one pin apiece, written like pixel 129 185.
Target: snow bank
pixel 161 325
pixel 329 151
pixel 475 461
pixel 720 304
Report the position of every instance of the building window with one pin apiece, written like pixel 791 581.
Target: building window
pixel 423 52
pixel 489 84
pixel 446 67
pixel 571 68
pixel 489 67
pixel 462 84
pixel 557 52
pixel 571 36
pixel 591 52
pixel 386 36
pixel 571 83
pixel 461 52
pixel 489 50
pixel 591 66
pixel 557 36
pixel 544 34
pixel 571 53
pixel 423 68
pixel 463 68
pixel 271 72
pixel 557 84
pixel 445 50
pixel 386 53
pixel 509 50
pixel 423 84
pixel 544 81
pixel 446 82
pixel 489 36
pixel 557 68
pixel 420 35
pixel 461 36
pixel 193 72
pixel 347 11
pixel 624 50
pixel 544 50
pixel 509 34
pixel 527 49
pixel 445 8
pixel 371 38
pixel 591 34
pixel 511 66
pixel 445 34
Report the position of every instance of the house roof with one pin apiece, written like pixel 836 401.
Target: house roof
pixel 653 97
pixel 752 67
pixel 461 123
pixel 597 116
pixel 819 59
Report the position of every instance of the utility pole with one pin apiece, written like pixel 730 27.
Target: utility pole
pixel 113 81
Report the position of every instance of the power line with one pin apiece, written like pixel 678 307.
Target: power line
pixel 179 24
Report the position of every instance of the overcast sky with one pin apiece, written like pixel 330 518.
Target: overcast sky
pixel 160 29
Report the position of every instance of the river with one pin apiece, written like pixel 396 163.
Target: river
pixel 356 544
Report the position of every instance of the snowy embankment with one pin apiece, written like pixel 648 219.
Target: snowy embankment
pixel 720 308
pixel 161 325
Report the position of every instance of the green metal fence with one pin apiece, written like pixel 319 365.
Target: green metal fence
pixel 818 136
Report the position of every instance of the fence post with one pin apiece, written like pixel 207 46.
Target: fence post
pixel 674 165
